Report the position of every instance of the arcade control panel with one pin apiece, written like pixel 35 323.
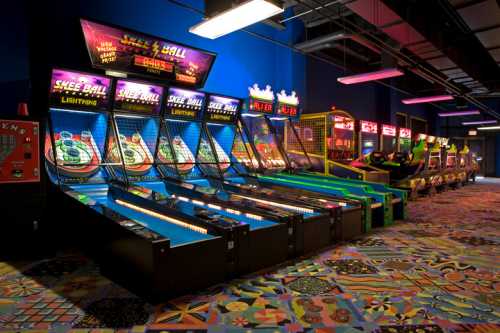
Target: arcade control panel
pixel 20 185
pixel 19 151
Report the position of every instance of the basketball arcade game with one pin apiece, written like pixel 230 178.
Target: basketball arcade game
pixel 295 148
pixel 84 156
pixel 333 135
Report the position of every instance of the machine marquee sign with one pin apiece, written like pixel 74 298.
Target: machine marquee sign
pixel 288 105
pixel 261 100
pixel 138 97
pixel 184 104
pixel 388 130
pixel 345 123
pixel 222 109
pixel 369 127
pixel 405 133
pixel 129 51
pixel 81 90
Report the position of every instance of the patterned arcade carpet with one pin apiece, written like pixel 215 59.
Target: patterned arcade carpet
pixel 437 272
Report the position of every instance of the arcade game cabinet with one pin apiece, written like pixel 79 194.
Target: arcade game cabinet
pixel 84 156
pixel 367 143
pixel 391 201
pixel 257 140
pixel 21 187
pixel 268 130
pixel 253 241
pixel 388 139
pixel 333 148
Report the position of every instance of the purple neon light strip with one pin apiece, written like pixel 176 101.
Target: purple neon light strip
pixel 459 113
pixel 371 76
pixel 428 99
pixel 479 122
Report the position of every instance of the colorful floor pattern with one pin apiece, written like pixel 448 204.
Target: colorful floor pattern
pixel 436 272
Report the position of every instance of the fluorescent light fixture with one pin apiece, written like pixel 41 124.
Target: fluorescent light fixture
pixel 459 113
pixel 479 122
pixel 427 99
pixel 239 17
pixel 116 74
pixel 371 76
pixel 489 128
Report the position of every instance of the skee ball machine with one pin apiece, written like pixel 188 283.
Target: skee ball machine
pixel 150 253
pixel 314 231
pixel 253 242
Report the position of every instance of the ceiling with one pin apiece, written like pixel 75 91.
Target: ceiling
pixel 444 45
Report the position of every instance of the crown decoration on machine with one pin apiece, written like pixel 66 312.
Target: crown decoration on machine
pixel 263 94
pixel 292 99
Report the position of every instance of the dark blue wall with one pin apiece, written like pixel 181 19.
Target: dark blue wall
pixel 14 68
pixel 369 101
pixel 242 59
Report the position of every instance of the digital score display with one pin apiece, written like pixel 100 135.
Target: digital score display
pixel 388 130
pixel 344 123
pixel 138 97
pixel 222 109
pixel 129 51
pixel 288 105
pixel 287 110
pixel 69 89
pixel 260 106
pixel 369 127
pixel 405 133
pixel 184 104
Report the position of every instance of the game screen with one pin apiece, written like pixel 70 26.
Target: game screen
pixel 77 146
pixel 368 137
pixel 137 137
pixel 388 139
pixel 264 142
pixel 342 143
pixel 404 140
